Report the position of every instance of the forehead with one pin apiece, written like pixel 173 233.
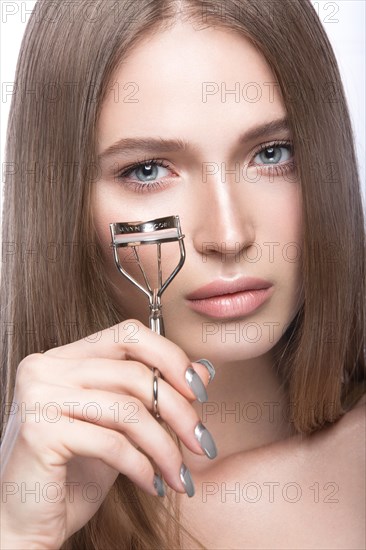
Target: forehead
pixel 184 79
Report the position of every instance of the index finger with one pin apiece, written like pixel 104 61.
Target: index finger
pixel 132 340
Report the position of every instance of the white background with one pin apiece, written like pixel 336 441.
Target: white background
pixel 343 20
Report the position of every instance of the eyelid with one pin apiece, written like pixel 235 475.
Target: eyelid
pixel 277 169
pixel 143 162
pixel 165 164
pixel 140 187
pixel 273 143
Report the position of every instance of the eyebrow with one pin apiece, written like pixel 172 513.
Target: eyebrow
pixel 160 145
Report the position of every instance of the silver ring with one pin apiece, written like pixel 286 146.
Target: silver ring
pixel 156 375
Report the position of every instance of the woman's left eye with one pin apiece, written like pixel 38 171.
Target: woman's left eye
pixel 280 157
pixel 273 154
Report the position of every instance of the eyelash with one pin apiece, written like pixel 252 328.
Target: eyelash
pixel 277 170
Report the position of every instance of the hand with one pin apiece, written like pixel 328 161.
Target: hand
pixel 79 416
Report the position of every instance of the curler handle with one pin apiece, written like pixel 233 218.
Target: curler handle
pixel 156 317
pixel 157 323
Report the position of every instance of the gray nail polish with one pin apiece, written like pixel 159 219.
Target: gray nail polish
pixel 196 385
pixel 159 485
pixel 209 366
pixel 186 479
pixel 205 439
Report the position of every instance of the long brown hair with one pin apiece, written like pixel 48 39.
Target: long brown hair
pixel 52 287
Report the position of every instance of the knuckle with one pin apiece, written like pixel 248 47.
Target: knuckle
pixel 114 444
pixel 186 405
pixel 128 322
pixel 27 433
pixel 133 402
pixel 139 369
pixel 32 394
pixel 29 365
pixel 134 411
pixel 54 352
pixel 34 431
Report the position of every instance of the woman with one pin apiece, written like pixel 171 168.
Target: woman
pixel 233 116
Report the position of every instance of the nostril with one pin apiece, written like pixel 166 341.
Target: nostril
pixel 210 247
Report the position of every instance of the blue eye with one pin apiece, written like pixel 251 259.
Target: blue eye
pixel 278 154
pixel 279 163
pixel 273 154
pixel 148 169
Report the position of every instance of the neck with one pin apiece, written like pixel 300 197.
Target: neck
pixel 246 409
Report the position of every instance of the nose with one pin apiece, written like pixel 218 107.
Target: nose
pixel 223 226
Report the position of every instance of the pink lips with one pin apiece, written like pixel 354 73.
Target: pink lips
pixel 222 298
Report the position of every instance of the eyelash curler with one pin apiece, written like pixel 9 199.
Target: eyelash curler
pixel 134 234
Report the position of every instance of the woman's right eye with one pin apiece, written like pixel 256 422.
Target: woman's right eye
pixel 148 169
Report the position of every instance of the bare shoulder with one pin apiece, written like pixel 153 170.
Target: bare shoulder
pixel 352 424
pixel 352 429
pixel 346 437
pixel 305 492
pixel 339 455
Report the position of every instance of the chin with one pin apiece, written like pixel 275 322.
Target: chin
pixel 224 341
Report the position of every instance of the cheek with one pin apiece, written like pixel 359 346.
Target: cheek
pixel 283 215
pixel 104 211
pixel 291 227
pixel 284 232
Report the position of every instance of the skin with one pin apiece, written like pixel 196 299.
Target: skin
pixel 218 210
pixel 108 370
pixel 227 211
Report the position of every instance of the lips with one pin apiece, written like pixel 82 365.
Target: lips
pixel 230 299
pixel 222 287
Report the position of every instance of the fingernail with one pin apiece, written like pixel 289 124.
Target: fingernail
pixel 209 366
pixel 205 440
pixel 186 479
pixel 159 485
pixel 196 385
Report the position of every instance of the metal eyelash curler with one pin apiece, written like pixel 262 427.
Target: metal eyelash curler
pixel 158 231
pixel 133 234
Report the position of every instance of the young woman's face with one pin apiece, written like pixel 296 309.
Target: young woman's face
pixel 240 211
